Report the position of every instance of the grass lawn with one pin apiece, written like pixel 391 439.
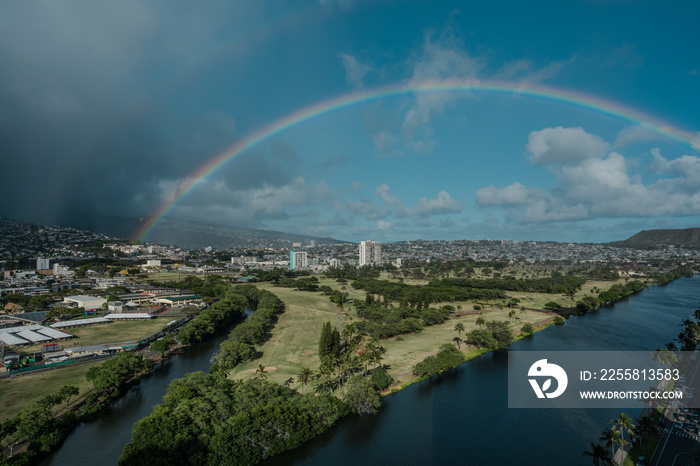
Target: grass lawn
pixel 19 392
pixel 294 342
pixel 402 354
pixel 114 332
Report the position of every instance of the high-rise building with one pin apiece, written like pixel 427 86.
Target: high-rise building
pixel 370 253
pixel 334 263
pixel 298 260
pixel 42 264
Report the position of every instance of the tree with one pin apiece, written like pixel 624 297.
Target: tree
pixel 67 392
pixel 599 455
pixel 623 422
pixel 459 327
pixel 646 428
pixel 260 372
pixel 527 328
pixel 501 332
pixel 329 342
pixel 480 321
pixel 335 343
pixel 611 437
pixel 458 341
pixel 304 377
pixel 664 357
pixel 163 345
pixel 231 353
pixel 480 338
pixel 360 396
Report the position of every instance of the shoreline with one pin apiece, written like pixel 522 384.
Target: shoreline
pixel 467 357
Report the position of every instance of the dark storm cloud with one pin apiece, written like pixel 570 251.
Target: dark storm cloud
pixel 89 121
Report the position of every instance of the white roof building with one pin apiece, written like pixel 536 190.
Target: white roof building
pixel 86 302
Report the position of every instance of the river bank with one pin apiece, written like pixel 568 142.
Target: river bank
pixel 460 415
pixel 135 395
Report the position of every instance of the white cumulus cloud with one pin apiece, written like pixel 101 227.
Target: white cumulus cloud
pixel 594 182
pixel 564 145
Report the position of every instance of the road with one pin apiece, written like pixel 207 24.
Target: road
pixel 677 447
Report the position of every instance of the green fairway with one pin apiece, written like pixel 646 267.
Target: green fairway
pixel 403 352
pixel 294 342
pixel 19 392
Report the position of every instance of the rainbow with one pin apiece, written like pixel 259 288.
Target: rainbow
pixel 575 99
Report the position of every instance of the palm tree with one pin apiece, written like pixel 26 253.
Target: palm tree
pixel 459 327
pixel 599 455
pixel 480 321
pixel 260 371
pixel 646 427
pixel 623 422
pixel 511 315
pixel 664 357
pixel 304 377
pixel 611 437
pixel 458 341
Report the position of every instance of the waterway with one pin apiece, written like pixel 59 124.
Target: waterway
pixel 461 417
pixel 101 442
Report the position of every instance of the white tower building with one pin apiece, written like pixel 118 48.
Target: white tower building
pixel 370 253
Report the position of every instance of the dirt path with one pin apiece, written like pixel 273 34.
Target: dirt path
pixel 341 318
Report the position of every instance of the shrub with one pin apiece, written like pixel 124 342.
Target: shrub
pixel 380 378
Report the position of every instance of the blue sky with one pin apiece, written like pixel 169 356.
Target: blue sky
pixel 108 108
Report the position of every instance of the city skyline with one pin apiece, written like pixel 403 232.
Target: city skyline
pixel 351 119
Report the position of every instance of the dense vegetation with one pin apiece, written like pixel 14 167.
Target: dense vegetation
pixel 619 291
pixel 213 286
pixel 39 425
pixel 447 358
pixel 421 296
pixel 253 331
pixel 559 284
pixel 383 322
pixel 612 295
pixel 210 420
pixel 678 272
pixel 213 318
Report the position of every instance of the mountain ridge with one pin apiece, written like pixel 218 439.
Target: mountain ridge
pixel 193 235
pixel 661 238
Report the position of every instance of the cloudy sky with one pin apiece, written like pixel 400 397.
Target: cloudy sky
pixel 112 107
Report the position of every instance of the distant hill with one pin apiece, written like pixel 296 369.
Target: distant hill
pixel 194 235
pixel 688 238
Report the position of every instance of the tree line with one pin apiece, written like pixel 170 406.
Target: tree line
pixel 239 347
pixel 210 419
pixel 206 419
pixel 43 426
